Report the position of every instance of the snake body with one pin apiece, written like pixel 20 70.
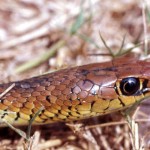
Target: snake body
pixel 76 93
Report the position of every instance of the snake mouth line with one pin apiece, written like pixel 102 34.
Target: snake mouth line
pixel 145 90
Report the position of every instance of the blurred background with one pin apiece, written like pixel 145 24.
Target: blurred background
pixel 46 35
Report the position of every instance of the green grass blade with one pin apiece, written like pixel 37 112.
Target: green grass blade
pixel 88 39
pixel 36 62
pixel 105 44
pixel 78 23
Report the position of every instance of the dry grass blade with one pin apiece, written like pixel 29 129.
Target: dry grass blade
pixel 41 59
pixel 31 121
pixel 122 45
pixel 7 90
pixel 18 131
pixel 105 44
pixel 88 39
pixel 145 30
pixel 128 50
pixel 78 23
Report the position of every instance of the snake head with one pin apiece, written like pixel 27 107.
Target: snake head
pixel 121 85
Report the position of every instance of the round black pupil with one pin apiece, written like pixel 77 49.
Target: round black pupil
pixel 129 86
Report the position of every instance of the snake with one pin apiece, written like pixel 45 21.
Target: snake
pixel 76 93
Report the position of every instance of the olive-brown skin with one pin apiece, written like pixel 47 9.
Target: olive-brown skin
pixel 74 93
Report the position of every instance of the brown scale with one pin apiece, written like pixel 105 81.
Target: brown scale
pixel 74 93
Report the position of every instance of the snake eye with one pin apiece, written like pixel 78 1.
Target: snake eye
pixel 130 86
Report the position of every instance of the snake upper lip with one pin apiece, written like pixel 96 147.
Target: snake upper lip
pixel 145 90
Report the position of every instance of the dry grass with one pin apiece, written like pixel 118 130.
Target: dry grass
pixel 41 36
